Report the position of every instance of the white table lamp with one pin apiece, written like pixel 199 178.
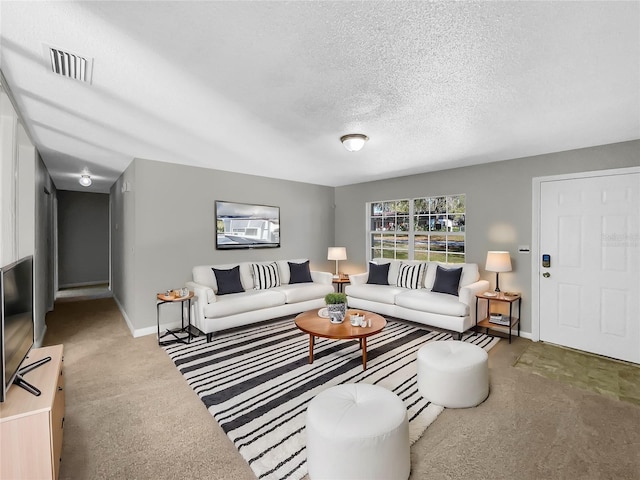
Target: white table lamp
pixel 498 262
pixel 337 254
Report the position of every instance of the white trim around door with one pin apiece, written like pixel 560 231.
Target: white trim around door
pixel 536 267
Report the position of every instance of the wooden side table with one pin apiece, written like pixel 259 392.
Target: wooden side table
pixel 175 333
pixel 512 320
pixel 341 282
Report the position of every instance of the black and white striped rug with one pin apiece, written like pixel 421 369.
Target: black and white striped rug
pixel 257 383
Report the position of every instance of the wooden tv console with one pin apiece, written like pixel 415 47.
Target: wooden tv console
pixel 30 426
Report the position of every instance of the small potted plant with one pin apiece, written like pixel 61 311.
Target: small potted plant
pixel 337 306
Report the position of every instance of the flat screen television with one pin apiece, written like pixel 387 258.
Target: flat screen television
pixel 242 225
pixel 16 334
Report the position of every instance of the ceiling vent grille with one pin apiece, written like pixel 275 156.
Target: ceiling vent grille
pixel 70 65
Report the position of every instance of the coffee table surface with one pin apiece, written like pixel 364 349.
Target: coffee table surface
pixel 309 322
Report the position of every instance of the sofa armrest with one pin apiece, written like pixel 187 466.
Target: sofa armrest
pixel 203 296
pixel 467 295
pixel 321 277
pixel 358 278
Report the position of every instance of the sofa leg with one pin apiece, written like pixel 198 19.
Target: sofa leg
pixel 459 336
pixel 209 335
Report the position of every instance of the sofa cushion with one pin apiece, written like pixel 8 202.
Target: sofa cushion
pixel 285 273
pixel 374 293
pixel 203 275
pixel 302 292
pixel 394 267
pixel 244 302
pixel 300 272
pixel 469 275
pixel 425 301
pixel 228 281
pixel 378 274
pixel 265 275
pixel 411 276
pixel 447 280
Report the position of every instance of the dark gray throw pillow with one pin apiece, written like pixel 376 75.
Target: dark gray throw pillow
pixel 228 280
pixel 447 280
pixel 378 274
pixel 300 272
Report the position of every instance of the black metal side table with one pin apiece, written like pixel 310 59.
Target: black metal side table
pixel 341 282
pixel 175 332
pixel 510 322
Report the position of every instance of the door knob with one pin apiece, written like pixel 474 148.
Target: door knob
pixel 546 274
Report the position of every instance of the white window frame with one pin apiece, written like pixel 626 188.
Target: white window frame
pixel 411 232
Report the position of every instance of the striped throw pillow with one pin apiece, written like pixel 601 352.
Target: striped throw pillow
pixel 265 275
pixel 410 276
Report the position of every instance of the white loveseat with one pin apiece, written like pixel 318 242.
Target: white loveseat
pixel 214 312
pixel 421 305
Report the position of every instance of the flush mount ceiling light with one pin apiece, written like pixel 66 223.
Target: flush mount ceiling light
pixel 85 180
pixel 354 141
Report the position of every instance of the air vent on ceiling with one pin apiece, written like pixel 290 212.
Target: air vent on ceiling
pixel 70 65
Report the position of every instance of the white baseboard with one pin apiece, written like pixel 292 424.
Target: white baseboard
pixel 505 331
pixel 124 314
pixel 83 284
pixel 153 330
pixel 40 340
pixel 97 291
pixel 141 332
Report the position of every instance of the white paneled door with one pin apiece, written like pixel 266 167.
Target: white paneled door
pixel 589 295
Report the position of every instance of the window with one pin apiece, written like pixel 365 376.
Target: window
pixel 428 228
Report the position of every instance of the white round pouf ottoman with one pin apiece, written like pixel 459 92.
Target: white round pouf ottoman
pixel 357 431
pixel 453 374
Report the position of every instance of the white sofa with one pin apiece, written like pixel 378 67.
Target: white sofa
pixel 214 312
pixel 421 305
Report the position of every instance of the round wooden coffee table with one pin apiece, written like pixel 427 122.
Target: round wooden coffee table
pixel 309 322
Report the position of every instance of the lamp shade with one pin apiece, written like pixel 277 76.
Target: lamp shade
pixel 354 141
pixel 498 262
pixel 337 253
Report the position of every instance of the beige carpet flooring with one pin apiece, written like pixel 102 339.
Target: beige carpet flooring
pixel 130 415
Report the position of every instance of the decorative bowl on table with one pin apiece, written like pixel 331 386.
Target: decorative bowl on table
pixel 356 319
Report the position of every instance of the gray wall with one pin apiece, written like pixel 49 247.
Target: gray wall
pixel 44 284
pixel 83 238
pixel 123 272
pixel 499 206
pixel 24 220
pixel 165 225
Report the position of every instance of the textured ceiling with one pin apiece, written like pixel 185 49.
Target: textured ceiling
pixel 268 88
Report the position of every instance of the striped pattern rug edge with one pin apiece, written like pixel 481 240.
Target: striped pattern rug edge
pixel 257 382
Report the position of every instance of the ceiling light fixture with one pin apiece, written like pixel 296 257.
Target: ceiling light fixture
pixel 354 141
pixel 85 180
